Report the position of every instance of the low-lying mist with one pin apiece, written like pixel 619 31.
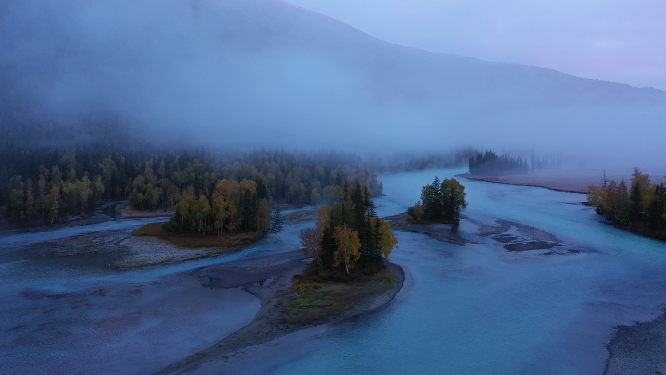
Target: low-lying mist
pixel 232 73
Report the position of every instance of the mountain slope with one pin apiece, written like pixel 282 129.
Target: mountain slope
pixel 253 71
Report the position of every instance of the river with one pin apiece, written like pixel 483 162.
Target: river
pixel 476 308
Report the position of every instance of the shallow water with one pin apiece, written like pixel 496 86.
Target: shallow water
pixel 62 314
pixel 463 309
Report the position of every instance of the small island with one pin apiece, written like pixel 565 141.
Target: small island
pixel 437 214
pixel 443 203
pixel 348 247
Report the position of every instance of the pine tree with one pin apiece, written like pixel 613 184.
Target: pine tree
pixel 657 208
pixel 431 196
pixel 277 220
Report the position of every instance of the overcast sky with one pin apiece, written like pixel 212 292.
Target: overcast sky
pixel 614 40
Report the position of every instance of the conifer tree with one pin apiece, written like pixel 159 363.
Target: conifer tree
pixel 277 220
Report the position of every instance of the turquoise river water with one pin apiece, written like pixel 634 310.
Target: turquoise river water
pixel 476 308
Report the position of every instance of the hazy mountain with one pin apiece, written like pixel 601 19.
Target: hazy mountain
pixel 261 72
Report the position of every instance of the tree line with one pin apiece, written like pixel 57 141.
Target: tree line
pixel 410 161
pixel 489 163
pixel 641 207
pixel 45 186
pixel 442 202
pixel 349 239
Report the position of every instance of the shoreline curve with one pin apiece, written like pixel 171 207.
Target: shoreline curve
pixel 267 324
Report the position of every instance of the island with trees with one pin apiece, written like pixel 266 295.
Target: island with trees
pixel 441 202
pixel 348 246
pixel 437 214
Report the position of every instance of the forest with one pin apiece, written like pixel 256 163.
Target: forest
pixel 443 202
pixel 349 239
pixel 211 193
pixel 641 207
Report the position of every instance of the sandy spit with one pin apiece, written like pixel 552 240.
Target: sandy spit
pixel 268 278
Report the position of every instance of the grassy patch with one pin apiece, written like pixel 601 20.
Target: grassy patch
pixel 316 301
pixel 182 240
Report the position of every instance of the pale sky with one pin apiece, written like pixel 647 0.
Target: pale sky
pixel 613 40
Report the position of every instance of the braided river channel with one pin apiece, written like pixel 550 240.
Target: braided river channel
pixel 539 288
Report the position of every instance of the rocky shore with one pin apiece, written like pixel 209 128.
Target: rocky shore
pixel 638 349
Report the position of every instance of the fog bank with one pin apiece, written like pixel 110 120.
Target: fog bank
pixel 231 73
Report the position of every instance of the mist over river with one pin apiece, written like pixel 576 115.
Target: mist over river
pixel 477 308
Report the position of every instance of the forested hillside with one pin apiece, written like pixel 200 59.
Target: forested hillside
pixel 229 72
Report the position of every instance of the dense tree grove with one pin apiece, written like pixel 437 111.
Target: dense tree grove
pixel 491 164
pixel 442 202
pixel 233 207
pixel 211 193
pixel 641 207
pixel 349 238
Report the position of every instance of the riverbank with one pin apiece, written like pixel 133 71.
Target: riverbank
pixel 638 349
pixel 126 211
pixel 102 213
pixel 120 250
pixel 561 183
pixel 270 279
pixel 190 241
pixel 565 180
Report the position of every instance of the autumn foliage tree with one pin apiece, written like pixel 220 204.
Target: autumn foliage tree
pixel 348 243
pixel 311 244
pixel 348 239
pixel 641 207
pixel 236 207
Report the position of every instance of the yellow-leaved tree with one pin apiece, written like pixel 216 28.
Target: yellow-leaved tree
pixel 348 247
pixel 386 240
